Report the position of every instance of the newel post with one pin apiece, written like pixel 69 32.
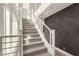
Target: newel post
pixel 53 41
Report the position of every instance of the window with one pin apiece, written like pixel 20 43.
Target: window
pixel 9 45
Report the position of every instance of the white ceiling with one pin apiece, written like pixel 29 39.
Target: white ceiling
pixel 53 8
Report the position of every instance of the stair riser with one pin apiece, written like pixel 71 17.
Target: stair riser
pixel 35 35
pixel 30 32
pixel 28 25
pixel 32 36
pixel 29 29
pixel 33 40
pixel 36 52
pixel 26 22
pixel 34 45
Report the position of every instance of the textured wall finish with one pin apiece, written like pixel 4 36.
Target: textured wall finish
pixel 66 24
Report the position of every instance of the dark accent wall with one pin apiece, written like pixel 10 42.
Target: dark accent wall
pixel 66 24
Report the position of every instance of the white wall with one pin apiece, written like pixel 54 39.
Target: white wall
pixel 24 14
pixel 53 8
pixel 26 10
pixel 14 8
pixel 1 20
pixel 1 26
pixel 42 7
pixel 26 6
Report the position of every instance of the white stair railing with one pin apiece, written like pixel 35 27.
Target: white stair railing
pixel 47 34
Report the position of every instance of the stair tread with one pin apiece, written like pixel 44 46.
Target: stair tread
pixel 34 38
pixel 33 43
pixel 33 49
pixel 28 25
pixel 25 35
pixel 32 34
pixel 43 54
pixel 30 31
pixel 29 28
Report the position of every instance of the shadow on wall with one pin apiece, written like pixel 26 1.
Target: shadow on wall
pixel 66 24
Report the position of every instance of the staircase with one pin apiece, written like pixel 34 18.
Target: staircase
pixel 32 43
